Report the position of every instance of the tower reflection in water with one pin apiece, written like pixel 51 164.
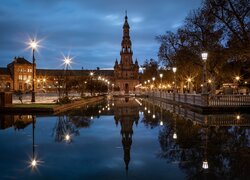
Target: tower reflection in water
pixel 126 113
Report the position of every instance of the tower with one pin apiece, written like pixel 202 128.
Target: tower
pixel 126 72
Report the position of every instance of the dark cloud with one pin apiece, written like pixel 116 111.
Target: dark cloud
pixel 90 30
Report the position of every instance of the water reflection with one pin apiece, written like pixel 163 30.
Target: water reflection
pixel 200 145
pixel 16 121
pixel 208 145
pixel 126 113
pixel 64 130
pixel 34 162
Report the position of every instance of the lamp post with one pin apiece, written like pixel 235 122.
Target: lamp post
pixel 204 77
pixel 67 61
pixel 161 75
pixel 153 79
pixel 91 86
pixel 237 78
pixel 189 81
pixel 33 45
pixel 174 71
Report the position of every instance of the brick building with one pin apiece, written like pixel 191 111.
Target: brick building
pixel 126 72
pixel 18 76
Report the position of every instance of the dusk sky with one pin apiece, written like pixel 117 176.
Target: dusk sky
pixel 90 31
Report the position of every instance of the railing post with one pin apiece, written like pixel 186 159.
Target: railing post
pixel 205 99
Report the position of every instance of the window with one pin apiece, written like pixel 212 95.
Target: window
pixel 20 86
pixel 20 77
pixel 24 77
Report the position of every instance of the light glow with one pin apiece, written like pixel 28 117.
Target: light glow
pixel 174 69
pixel 174 136
pixel 205 164
pixel 33 44
pixel 204 56
pixel 67 137
pixel 33 163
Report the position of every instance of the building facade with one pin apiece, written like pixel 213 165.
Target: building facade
pixel 126 73
pixel 18 76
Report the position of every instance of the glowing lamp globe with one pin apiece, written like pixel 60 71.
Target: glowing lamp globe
pixel 205 164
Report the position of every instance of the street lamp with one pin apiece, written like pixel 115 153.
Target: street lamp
pixel 174 71
pixel 189 81
pixel 91 84
pixel 33 44
pixel 204 79
pixel 161 75
pixel 153 79
pixel 67 61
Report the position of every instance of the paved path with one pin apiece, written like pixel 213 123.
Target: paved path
pixel 40 98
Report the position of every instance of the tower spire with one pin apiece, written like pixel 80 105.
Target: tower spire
pixel 126 42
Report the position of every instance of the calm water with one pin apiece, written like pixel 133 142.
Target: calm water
pixel 125 139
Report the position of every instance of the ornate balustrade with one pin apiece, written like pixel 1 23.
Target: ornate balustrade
pixel 204 100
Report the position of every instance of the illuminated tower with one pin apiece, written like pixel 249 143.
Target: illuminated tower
pixel 126 72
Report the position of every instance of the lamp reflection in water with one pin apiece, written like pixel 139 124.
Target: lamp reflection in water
pixel 205 162
pixel 34 162
pixel 175 117
pixel 153 116
pixel 175 134
pixel 67 138
pixel 64 130
pixel 161 122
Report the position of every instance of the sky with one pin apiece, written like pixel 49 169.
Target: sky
pixel 88 31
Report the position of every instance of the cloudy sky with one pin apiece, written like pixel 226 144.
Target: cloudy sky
pixel 90 31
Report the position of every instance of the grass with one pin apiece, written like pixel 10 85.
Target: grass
pixel 36 105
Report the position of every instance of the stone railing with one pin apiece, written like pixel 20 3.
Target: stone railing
pixel 203 100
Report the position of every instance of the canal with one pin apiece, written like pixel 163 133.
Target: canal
pixel 125 138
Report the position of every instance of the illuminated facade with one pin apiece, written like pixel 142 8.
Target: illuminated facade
pixel 18 76
pixel 126 72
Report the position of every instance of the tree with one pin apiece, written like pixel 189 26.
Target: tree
pixel 234 17
pixel 149 69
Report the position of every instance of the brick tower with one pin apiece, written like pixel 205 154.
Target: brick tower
pixel 126 72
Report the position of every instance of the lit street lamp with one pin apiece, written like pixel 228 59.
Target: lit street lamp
pixel 91 84
pixel 161 75
pixel 189 81
pixel 237 78
pixel 33 44
pixel 153 79
pixel 204 77
pixel 67 61
pixel 174 71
